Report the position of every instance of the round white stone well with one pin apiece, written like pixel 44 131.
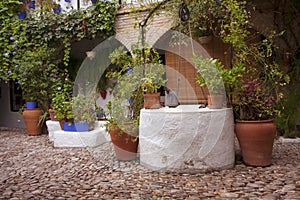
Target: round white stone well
pixel 186 139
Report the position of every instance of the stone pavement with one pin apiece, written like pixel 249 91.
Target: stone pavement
pixel 31 168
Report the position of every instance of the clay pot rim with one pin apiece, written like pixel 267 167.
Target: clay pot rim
pixel 254 121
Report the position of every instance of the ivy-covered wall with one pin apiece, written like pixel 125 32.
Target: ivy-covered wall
pixel 24 39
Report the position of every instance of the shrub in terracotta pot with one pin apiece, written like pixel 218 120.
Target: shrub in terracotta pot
pixel 123 130
pixel 211 73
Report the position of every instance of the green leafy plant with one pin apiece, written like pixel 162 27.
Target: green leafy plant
pixel 84 109
pixel 36 73
pixel 62 102
pixel 210 74
pixel 56 31
pixel 138 74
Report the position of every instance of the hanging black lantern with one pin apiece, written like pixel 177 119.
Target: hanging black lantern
pixel 184 12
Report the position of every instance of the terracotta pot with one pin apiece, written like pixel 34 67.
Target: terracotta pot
pixel 152 101
pixel 125 145
pixel 215 101
pixel 256 140
pixel 52 115
pixel 61 123
pixel 31 119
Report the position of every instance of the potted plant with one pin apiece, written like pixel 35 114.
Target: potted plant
pixel 256 105
pixel 257 83
pixel 136 76
pixel 62 105
pixel 218 79
pixel 34 69
pixel 150 83
pixel 122 129
pixel 84 112
pixel 141 75
pixel 211 74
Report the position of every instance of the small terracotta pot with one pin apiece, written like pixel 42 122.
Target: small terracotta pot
pixel 152 101
pixel 52 115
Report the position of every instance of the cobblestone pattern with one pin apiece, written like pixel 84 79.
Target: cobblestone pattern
pixel 31 168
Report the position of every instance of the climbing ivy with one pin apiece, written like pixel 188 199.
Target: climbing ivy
pixel 35 51
pixel 58 31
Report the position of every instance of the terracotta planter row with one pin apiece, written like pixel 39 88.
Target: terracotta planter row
pixel 256 138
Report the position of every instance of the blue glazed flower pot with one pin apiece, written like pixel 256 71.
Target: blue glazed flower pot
pixel 82 126
pixel 32 5
pixel 69 126
pixel 30 105
pixel 68 1
pixel 57 10
pixel 22 15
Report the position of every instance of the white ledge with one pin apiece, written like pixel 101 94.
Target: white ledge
pixel 92 138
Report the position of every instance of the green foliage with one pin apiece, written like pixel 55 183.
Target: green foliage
pixel 290 114
pixel 235 24
pixel 146 65
pixel 62 101
pixel 209 74
pixel 84 109
pixel 37 74
pixel 136 74
pixel 58 31
pixel 35 52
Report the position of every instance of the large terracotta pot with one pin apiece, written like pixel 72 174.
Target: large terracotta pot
pixel 256 140
pixel 152 101
pixel 125 145
pixel 31 119
pixel 215 101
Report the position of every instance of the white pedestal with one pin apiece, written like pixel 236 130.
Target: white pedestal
pixel 186 139
pixel 52 126
pixel 92 138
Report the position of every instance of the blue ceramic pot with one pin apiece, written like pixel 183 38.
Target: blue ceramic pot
pixel 82 126
pixel 32 5
pixel 22 15
pixel 57 10
pixel 69 126
pixel 30 105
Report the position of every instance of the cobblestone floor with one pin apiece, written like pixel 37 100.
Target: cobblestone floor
pixel 31 168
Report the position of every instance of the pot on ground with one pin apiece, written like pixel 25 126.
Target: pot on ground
pixel 125 145
pixel 32 119
pixel 256 140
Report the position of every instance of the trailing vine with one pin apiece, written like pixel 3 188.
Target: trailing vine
pixel 58 31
